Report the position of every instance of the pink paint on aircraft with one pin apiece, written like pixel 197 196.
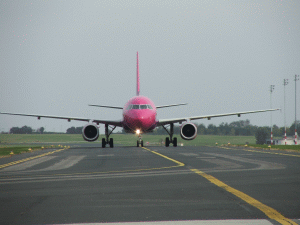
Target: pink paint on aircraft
pixel 139 113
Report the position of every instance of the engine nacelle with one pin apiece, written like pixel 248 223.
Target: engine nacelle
pixel 188 131
pixel 90 132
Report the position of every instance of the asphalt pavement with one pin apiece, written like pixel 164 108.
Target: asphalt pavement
pixel 184 185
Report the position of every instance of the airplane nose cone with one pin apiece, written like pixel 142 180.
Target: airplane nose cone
pixel 141 120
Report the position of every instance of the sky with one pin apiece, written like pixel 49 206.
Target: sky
pixel 218 56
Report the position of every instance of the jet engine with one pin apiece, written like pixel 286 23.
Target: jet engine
pixel 90 132
pixel 188 131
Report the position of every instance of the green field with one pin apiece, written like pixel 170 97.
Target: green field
pixel 280 147
pixel 22 142
pixel 122 139
pixel 14 150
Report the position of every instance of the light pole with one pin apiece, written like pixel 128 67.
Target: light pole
pixel 296 78
pixel 271 90
pixel 285 82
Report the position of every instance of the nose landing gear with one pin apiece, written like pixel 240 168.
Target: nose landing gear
pixel 140 141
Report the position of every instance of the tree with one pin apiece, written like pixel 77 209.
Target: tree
pixel 14 130
pixel 232 132
pixel 40 130
pixel 277 131
pixel 26 130
pixel 201 129
pixel 211 129
pixel 78 130
pixel 261 136
pixel 292 129
pixel 73 130
pixel 22 130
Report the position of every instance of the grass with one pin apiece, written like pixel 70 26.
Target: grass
pixel 36 138
pixel 122 139
pixel 4 151
pixel 279 147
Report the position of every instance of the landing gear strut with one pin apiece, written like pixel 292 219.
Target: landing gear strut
pixel 105 140
pixel 171 139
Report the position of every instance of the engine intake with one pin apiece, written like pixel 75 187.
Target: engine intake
pixel 188 131
pixel 90 132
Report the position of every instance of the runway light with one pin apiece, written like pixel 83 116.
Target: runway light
pixel 138 131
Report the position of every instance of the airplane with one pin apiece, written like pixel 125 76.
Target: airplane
pixel 139 116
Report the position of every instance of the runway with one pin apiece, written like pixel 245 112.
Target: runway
pixel 185 185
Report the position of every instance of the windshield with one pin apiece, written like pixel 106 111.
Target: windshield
pixel 139 107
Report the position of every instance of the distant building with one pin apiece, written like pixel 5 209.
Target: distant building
pixel 289 141
pixel 275 142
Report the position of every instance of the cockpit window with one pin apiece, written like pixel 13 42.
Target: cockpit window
pixel 139 107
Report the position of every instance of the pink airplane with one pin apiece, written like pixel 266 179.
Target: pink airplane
pixel 139 116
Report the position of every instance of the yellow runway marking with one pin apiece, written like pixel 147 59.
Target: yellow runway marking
pixel 30 158
pixel 273 153
pixel 270 212
pixel 166 157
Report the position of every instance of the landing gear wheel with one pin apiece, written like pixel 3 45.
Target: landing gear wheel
pixel 174 142
pixel 111 142
pixel 167 142
pixel 137 143
pixel 103 142
pixel 142 144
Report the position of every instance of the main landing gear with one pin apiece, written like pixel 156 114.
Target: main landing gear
pixel 105 140
pixel 140 141
pixel 171 139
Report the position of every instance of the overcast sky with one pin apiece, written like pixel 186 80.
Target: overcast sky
pixel 218 56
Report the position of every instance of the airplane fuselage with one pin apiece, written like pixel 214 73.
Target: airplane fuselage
pixel 139 113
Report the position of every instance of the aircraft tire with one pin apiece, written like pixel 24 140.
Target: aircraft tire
pixel 142 144
pixel 167 142
pixel 174 142
pixel 111 142
pixel 103 142
pixel 137 143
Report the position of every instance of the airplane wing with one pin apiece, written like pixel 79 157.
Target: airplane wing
pixel 179 120
pixel 105 106
pixel 109 122
pixel 164 106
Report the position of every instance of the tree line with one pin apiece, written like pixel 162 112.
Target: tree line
pixel 236 128
pixel 26 130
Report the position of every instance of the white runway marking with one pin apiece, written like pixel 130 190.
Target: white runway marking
pixel 205 157
pixel 223 164
pixel 28 164
pixel 261 164
pixel 106 155
pixel 189 154
pixel 65 163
